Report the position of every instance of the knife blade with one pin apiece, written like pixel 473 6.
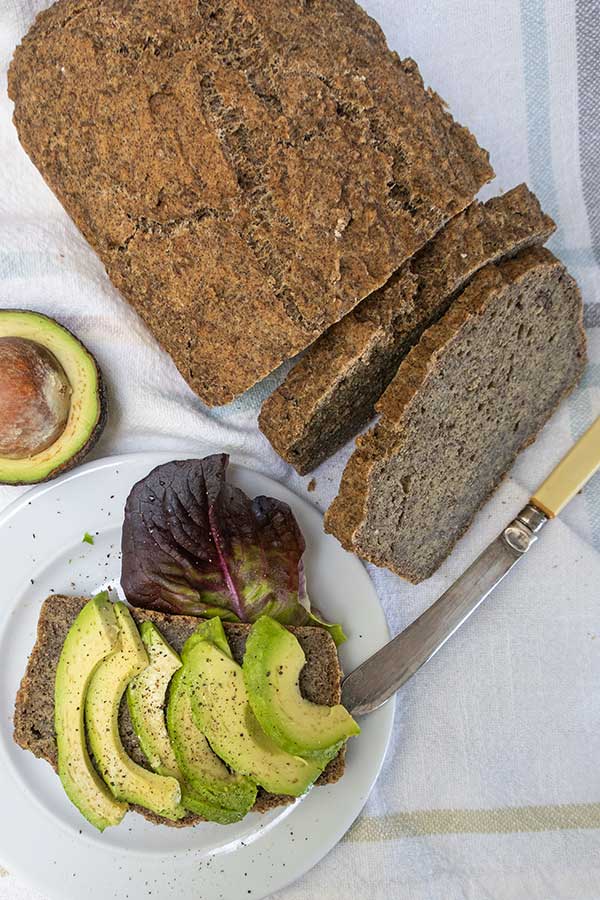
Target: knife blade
pixel 374 682
pixel 377 679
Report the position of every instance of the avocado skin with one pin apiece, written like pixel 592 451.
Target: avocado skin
pixel 96 433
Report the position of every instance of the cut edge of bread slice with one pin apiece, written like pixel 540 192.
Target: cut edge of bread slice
pixel 347 517
pixel 330 394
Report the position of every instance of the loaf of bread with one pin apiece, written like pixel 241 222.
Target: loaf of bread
pixel 247 170
pixel 330 394
pixel 475 391
pixel 320 682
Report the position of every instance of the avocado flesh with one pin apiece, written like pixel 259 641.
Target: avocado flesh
pixel 272 664
pixel 221 710
pixel 87 411
pixel 232 790
pixel 214 792
pixel 92 637
pixel 127 780
pixel 209 630
pixel 146 699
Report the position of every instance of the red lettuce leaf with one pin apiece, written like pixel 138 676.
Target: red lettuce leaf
pixel 193 544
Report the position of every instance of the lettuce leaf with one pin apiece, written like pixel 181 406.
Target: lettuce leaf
pixel 194 544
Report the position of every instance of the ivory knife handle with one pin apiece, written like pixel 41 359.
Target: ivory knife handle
pixel 570 475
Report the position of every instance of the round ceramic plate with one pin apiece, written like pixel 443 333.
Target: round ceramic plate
pixel 43 838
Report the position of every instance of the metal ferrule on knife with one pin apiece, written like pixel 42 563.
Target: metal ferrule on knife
pixel 377 679
pixel 522 531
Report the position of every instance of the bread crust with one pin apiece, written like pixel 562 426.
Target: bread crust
pixel 320 682
pixel 247 170
pixel 330 394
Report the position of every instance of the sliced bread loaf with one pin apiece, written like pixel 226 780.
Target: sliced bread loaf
pixel 331 392
pixel 247 170
pixel 475 391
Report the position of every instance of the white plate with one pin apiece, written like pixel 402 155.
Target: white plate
pixel 43 839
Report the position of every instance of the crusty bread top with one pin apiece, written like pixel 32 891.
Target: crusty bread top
pixel 320 682
pixel 310 408
pixel 247 170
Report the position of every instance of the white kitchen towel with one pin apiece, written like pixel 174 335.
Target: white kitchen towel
pixel 491 788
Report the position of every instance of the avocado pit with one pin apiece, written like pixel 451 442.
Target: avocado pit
pixel 35 398
pixel 52 401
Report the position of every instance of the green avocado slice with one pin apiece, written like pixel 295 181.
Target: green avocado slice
pixel 208 630
pixel 87 411
pixel 146 699
pixel 127 780
pixel 217 793
pixel 92 637
pixel 191 742
pixel 235 793
pixel 222 712
pixel 272 664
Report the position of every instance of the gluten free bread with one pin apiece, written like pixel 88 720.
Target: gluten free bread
pixel 331 393
pixel 475 391
pixel 320 682
pixel 247 170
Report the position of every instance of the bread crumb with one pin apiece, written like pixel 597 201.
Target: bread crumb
pixel 311 485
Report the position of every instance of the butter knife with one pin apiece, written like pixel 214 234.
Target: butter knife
pixel 380 676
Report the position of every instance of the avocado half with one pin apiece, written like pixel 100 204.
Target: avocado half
pixel 87 411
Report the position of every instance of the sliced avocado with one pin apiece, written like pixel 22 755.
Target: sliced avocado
pixel 127 780
pixel 221 710
pixel 216 793
pixel 235 793
pixel 146 699
pixel 92 637
pixel 273 661
pixel 209 630
pixel 62 356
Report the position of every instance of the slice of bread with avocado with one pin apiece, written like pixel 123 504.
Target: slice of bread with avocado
pixel 320 682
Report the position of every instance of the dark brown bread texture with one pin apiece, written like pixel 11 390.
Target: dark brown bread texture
pixel 247 170
pixel 320 682
pixel 331 393
pixel 475 391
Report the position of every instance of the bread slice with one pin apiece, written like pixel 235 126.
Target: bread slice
pixel 475 391
pixel 247 170
pixel 330 394
pixel 320 682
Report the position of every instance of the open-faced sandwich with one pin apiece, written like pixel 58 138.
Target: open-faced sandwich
pixel 179 717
